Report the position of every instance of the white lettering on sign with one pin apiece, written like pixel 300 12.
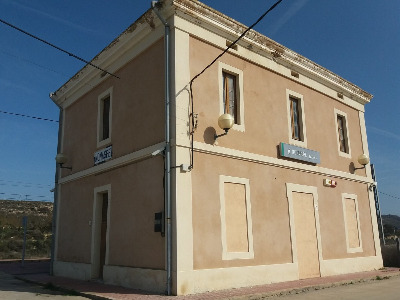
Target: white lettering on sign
pixel 299 153
pixel 103 155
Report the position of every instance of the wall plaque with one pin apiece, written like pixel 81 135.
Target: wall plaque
pixel 103 155
pixel 299 153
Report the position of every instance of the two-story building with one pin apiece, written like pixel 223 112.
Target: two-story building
pixel 280 197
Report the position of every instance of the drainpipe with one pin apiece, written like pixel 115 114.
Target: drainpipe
pixel 55 191
pixel 167 189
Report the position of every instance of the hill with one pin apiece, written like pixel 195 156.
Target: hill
pixel 392 220
pixel 38 234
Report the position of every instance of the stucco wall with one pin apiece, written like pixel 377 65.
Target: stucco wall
pixel 137 188
pixel 270 213
pixel 137 111
pixel 266 125
pixel 265 110
pixel 136 194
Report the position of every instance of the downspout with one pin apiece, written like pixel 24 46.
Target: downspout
pixel 167 176
pixel 55 191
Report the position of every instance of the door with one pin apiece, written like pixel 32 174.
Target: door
pixel 306 235
pixel 103 234
pixel 99 247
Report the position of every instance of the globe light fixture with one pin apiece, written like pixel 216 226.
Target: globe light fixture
pixel 62 159
pixel 363 160
pixel 225 122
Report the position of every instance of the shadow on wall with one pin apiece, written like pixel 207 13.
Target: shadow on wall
pixel 208 135
pixel 391 255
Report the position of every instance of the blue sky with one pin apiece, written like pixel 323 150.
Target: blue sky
pixel 359 40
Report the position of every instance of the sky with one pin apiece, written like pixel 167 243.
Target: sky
pixel 359 40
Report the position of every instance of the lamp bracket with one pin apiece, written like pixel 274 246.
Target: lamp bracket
pixel 63 167
pixel 222 134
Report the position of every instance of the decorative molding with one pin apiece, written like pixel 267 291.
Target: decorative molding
pixel 276 162
pixel 239 91
pixel 100 107
pixel 115 55
pixel 226 255
pixel 222 23
pixel 290 188
pixel 80 271
pixel 346 225
pixel 114 163
pixel 331 267
pixel 303 129
pixel 136 278
pixel 346 132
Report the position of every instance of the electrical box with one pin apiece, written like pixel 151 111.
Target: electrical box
pixel 330 183
pixel 159 222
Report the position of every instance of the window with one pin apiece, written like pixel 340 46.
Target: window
pixel 341 122
pixel 104 118
pixel 342 134
pixel 231 94
pixel 236 222
pixel 296 117
pixel 352 223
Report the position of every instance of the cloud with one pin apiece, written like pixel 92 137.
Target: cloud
pixel 295 7
pixel 384 133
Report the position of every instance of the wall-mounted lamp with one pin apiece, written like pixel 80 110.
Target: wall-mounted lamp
pixel 62 159
pixel 372 186
pixel 225 122
pixel 362 160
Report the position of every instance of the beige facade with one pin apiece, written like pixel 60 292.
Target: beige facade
pixel 245 214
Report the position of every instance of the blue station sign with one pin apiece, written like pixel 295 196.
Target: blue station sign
pixel 299 153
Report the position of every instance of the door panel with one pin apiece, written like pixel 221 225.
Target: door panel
pixel 306 235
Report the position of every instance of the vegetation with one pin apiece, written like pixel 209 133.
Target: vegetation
pixel 38 233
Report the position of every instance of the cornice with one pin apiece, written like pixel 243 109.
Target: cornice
pixel 200 13
pixel 111 58
pixel 114 55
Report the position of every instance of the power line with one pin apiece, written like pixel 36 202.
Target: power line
pixel 40 66
pixel 238 39
pixel 26 116
pixel 35 64
pixel 391 196
pixel 58 48
pixel 24 184
pixel 219 56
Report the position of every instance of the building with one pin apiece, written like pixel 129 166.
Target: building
pixel 280 197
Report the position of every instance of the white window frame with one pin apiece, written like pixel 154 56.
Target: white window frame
pixel 236 255
pixel 303 131
pixel 101 97
pixel 346 132
pixel 222 67
pixel 353 197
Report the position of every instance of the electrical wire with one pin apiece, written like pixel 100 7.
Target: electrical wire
pixel 35 64
pixel 40 66
pixel 24 184
pixel 26 116
pixel 219 56
pixel 391 196
pixel 58 48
